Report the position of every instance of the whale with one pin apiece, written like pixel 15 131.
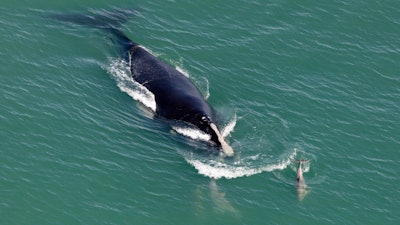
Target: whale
pixel 301 185
pixel 176 97
pixel 300 182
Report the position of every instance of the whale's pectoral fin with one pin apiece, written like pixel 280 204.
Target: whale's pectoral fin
pixel 228 150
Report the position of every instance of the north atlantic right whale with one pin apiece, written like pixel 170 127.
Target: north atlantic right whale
pixel 176 97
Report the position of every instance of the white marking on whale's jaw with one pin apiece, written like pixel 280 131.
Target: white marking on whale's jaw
pixel 225 147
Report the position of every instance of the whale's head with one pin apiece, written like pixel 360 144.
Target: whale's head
pixel 206 124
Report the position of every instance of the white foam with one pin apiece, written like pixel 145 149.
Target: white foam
pixel 183 71
pixel 226 130
pixel 150 51
pixel 120 71
pixel 221 169
pixel 217 170
pixel 197 134
pixel 192 133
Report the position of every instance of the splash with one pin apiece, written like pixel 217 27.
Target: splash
pixel 183 71
pixel 301 154
pixel 192 133
pixel 119 70
pixel 229 127
pixel 310 172
pixel 217 169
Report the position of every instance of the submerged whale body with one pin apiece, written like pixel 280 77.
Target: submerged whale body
pixel 177 98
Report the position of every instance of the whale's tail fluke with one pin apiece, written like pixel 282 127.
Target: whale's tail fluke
pixel 107 20
pixel 113 18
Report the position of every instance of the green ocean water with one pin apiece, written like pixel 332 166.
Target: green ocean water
pixel 289 80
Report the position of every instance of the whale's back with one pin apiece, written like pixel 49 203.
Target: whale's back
pixel 171 88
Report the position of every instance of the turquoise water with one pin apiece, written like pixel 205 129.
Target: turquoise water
pixel 289 80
